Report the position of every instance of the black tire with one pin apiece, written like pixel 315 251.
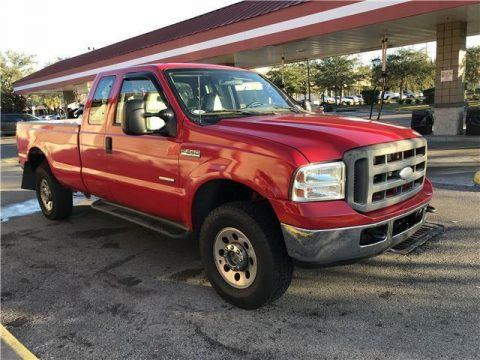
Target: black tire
pixel 61 197
pixel 274 267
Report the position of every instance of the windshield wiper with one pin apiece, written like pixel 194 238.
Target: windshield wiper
pixel 214 116
pixel 291 108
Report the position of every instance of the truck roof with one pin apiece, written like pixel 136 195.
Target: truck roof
pixel 167 66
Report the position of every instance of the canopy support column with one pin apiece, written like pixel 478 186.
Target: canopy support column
pixel 450 78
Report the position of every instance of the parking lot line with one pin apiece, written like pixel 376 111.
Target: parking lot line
pixel 16 345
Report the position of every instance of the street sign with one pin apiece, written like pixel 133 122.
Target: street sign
pixel 446 75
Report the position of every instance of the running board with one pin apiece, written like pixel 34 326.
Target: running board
pixel 163 226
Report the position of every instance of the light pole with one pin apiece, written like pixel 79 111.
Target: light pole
pixel 384 74
pixel 308 81
pixel 375 64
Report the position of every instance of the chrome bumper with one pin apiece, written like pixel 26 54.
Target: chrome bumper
pixel 342 244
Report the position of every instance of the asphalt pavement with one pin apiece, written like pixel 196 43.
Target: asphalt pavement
pixel 97 287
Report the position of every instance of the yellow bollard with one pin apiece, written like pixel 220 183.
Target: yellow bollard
pixel 476 178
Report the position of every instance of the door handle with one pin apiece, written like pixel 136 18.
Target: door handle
pixel 108 144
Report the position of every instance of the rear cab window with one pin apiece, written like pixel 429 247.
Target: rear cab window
pixel 99 106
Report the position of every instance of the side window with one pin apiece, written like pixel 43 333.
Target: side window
pixel 139 89
pixel 98 109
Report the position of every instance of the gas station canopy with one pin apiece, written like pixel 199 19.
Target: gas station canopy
pixel 260 33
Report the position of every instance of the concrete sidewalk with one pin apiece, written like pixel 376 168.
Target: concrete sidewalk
pixel 453 167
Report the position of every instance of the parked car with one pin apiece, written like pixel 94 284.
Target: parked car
pixel 346 100
pixel 359 99
pixel 9 122
pixel 389 95
pixel 52 117
pixel 221 155
pixel 352 100
pixel 326 99
pixel 407 94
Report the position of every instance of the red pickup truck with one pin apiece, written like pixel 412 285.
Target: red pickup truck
pixel 221 154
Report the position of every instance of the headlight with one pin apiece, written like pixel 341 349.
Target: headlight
pixel 319 182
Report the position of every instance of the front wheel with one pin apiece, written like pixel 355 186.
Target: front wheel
pixel 54 199
pixel 244 254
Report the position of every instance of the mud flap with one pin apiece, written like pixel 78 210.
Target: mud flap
pixel 28 177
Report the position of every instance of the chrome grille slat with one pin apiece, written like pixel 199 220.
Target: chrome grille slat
pixel 396 183
pixel 373 180
pixel 398 165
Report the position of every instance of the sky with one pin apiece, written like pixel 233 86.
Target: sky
pixel 54 28
pixel 61 28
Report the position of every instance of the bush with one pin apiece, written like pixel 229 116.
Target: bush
pixel 429 95
pixel 368 96
pixel 401 101
pixel 418 101
pixel 408 101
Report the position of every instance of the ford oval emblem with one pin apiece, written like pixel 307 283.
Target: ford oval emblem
pixel 406 173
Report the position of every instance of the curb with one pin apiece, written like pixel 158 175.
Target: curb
pixel 466 188
pixel 453 138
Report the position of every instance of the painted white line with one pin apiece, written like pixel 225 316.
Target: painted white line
pixel 19 209
pixel 28 207
pixel 317 18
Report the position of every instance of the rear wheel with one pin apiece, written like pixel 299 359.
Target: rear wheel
pixel 244 254
pixel 54 199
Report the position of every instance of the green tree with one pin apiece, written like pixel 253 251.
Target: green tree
pixel 407 69
pixel 472 67
pixel 51 101
pixel 13 66
pixel 293 80
pixel 338 73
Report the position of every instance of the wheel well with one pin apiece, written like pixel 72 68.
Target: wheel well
pixel 219 192
pixel 35 157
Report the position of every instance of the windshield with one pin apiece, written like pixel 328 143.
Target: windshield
pixel 208 95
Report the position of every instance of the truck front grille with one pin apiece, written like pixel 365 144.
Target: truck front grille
pixel 373 173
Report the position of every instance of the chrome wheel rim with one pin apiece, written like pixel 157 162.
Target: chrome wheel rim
pixel 235 258
pixel 46 195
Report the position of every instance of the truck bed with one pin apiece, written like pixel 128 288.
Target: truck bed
pixel 58 141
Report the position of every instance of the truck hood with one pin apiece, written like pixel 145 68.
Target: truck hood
pixel 318 138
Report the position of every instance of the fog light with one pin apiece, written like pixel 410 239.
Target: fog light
pixel 373 235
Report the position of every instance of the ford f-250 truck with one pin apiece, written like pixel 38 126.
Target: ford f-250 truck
pixel 221 154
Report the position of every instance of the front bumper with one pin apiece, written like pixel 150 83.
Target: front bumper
pixel 349 243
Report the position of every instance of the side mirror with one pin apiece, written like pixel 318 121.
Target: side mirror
pixel 134 121
pixel 137 121
pixel 168 116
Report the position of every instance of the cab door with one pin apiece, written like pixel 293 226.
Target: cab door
pixel 143 170
pixel 92 137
